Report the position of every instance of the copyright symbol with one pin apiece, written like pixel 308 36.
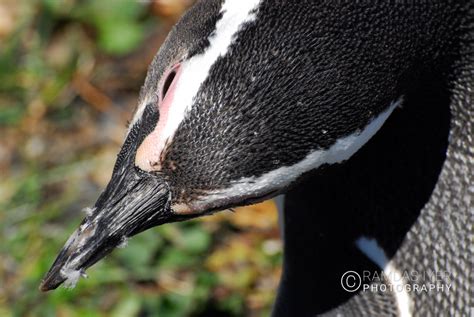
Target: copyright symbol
pixel 351 281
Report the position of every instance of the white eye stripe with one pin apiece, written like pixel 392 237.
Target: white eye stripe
pixel 235 14
pixel 195 71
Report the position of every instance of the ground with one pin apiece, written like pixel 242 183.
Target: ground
pixel 70 72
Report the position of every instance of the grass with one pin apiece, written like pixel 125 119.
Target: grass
pixel 70 72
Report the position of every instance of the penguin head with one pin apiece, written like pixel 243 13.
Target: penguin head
pixel 234 109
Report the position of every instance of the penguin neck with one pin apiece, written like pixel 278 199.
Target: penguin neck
pixel 407 187
pixel 377 194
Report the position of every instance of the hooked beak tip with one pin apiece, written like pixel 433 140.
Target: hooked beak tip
pixel 85 246
pixel 44 287
pixel 77 249
pixel 51 281
pixel 124 215
pixel 55 277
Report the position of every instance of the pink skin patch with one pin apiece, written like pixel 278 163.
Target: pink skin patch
pixel 149 152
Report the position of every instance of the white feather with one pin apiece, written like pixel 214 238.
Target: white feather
pixel 72 276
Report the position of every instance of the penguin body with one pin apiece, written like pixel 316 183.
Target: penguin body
pixel 249 99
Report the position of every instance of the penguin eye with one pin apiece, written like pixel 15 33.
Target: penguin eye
pixel 169 79
pixel 167 83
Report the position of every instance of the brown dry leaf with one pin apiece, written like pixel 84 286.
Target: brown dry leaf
pixel 104 164
pixel 259 300
pixel 91 94
pixel 236 262
pixel 59 51
pixel 260 216
pixel 177 282
pixel 242 267
pixel 7 19
pixel 265 287
pixel 236 251
pixel 170 8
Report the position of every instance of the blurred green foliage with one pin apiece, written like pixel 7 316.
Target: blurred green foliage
pixel 120 24
pixel 70 72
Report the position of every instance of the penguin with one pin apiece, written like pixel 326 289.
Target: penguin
pixel 360 115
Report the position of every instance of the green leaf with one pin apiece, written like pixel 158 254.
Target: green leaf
pixel 234 303
pixel 175 259
pixel 196 240
pixel 174 305
pixel 119 37
pixel 140 249
pixel 117 22
pixel 11 114
pixel 116 9
pixel 128 307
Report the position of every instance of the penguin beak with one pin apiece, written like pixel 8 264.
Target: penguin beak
pixel 132 202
